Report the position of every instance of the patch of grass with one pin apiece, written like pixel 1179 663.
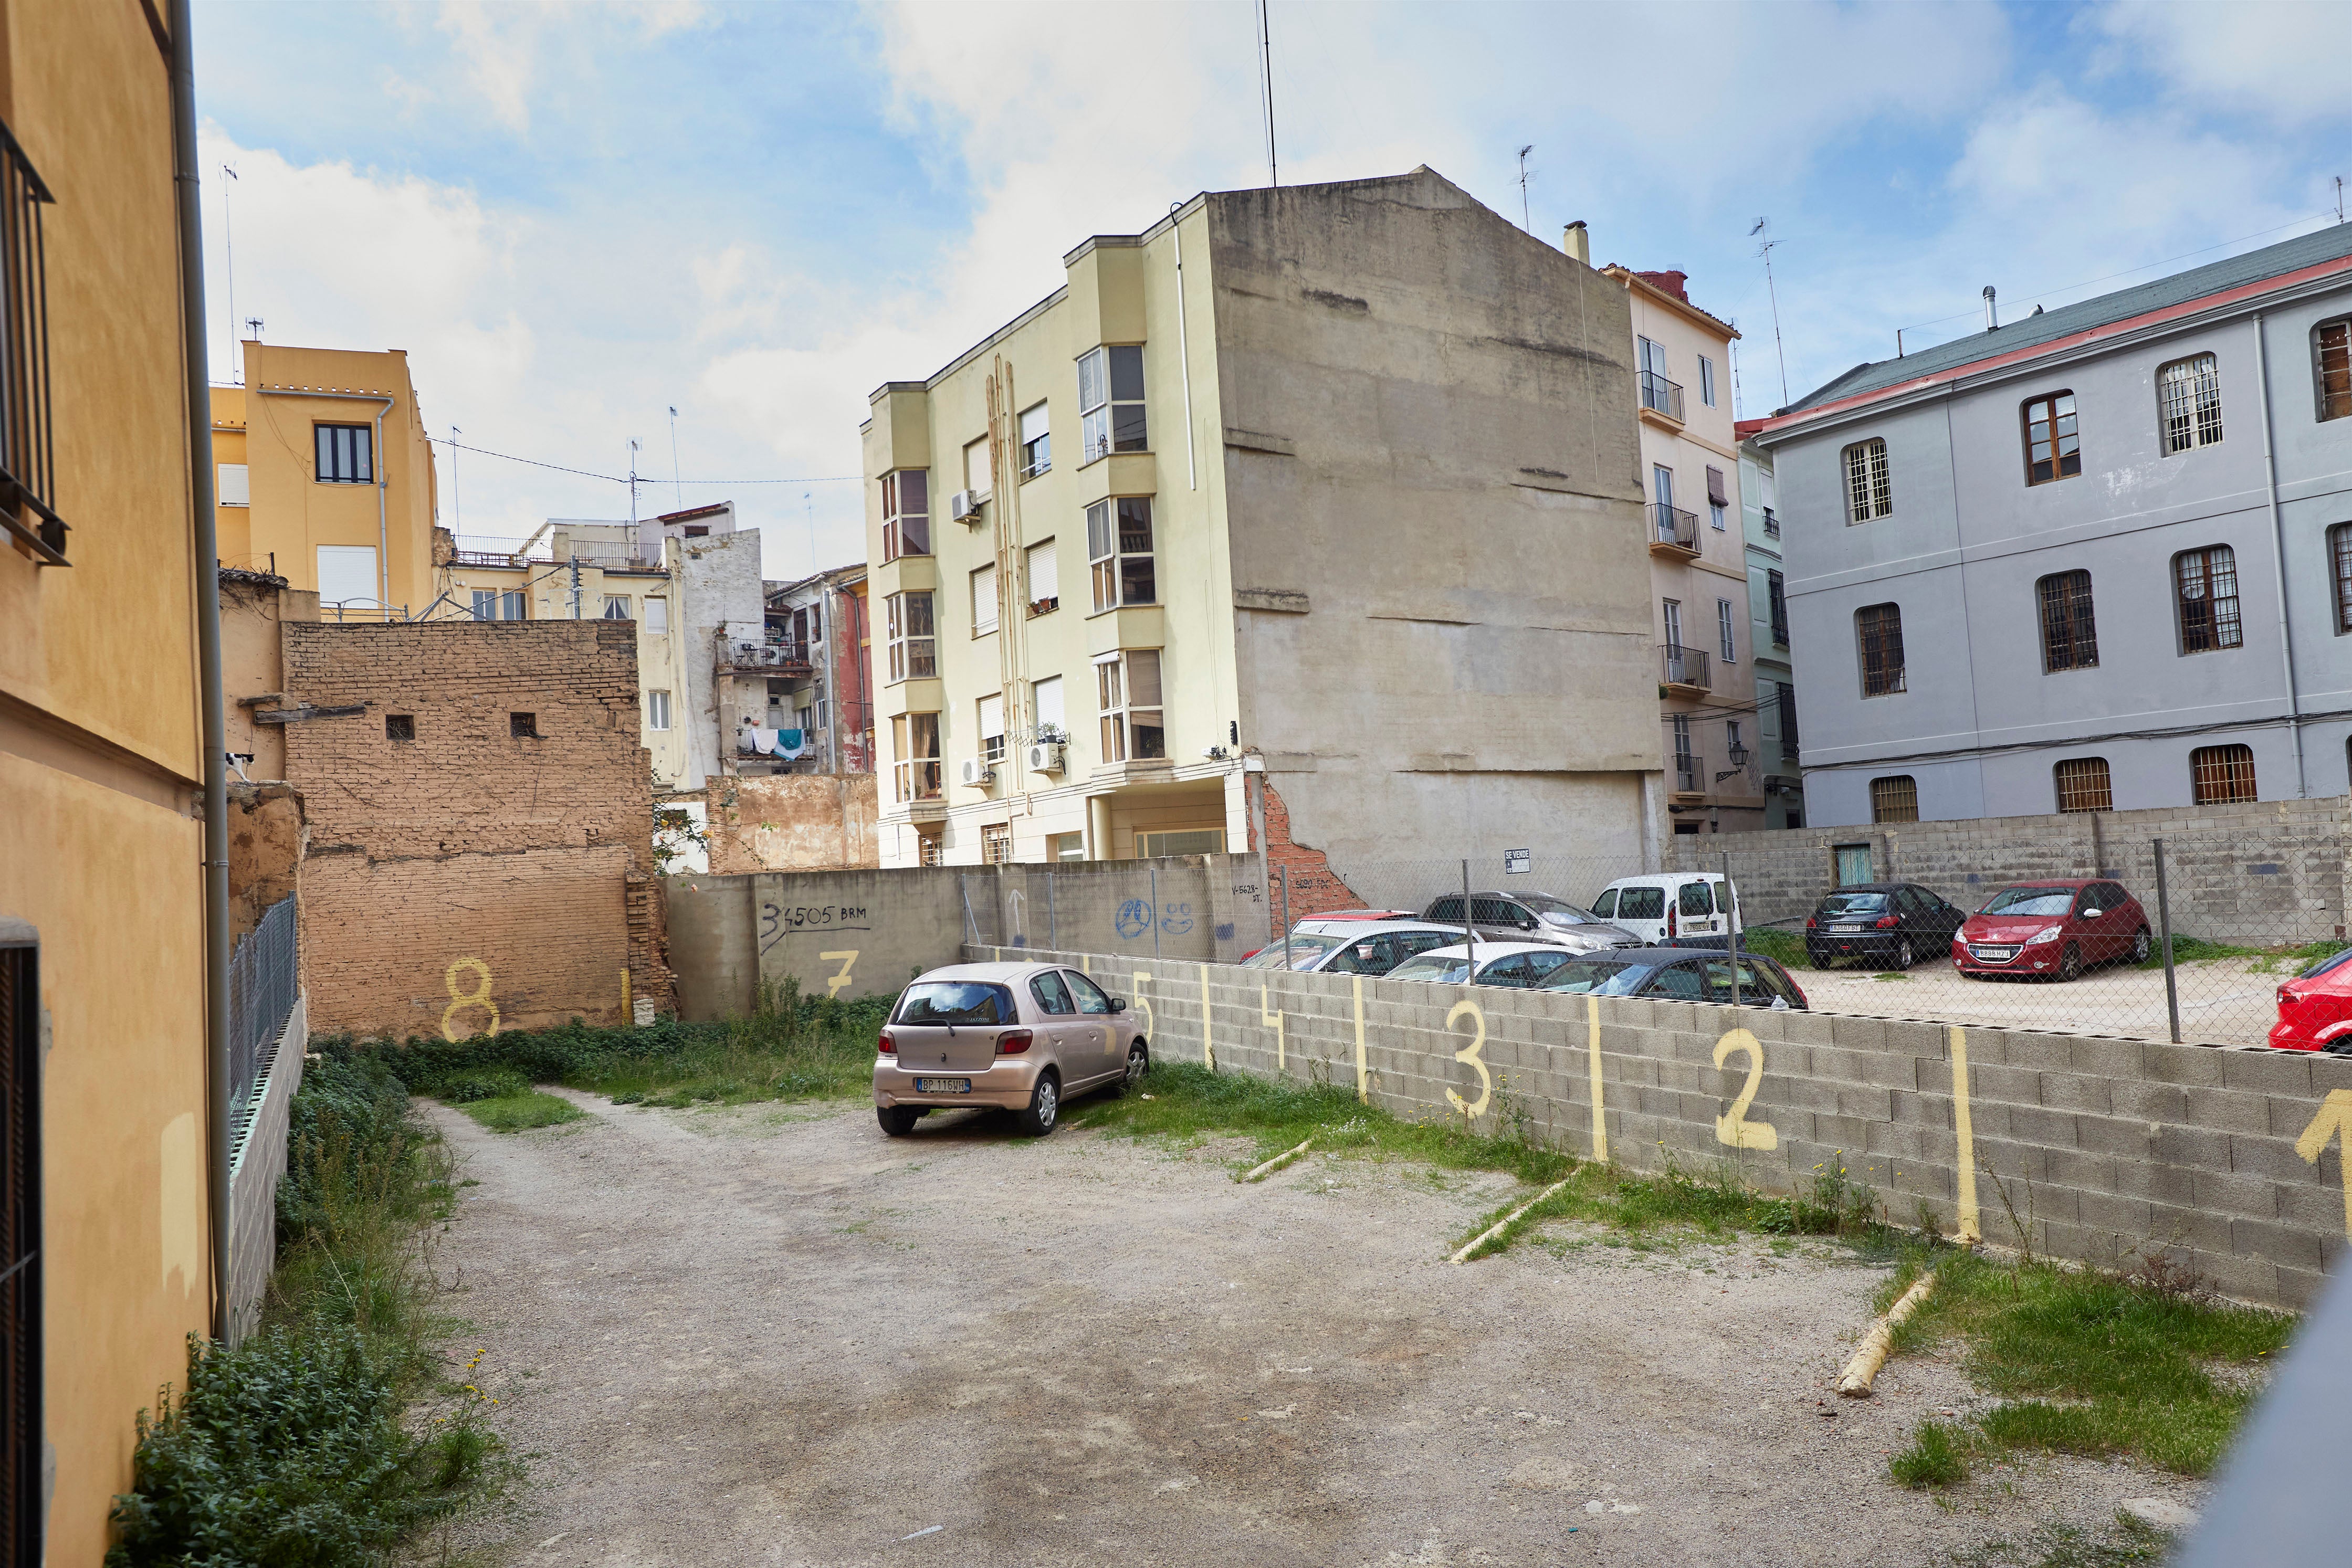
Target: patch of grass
pixel 2065 1546
pixel 2283 959
pixel 521 1111
pixel 1786 947
pixel 1933 1459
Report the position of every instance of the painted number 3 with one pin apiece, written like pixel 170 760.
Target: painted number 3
pixel 1469 1053
pixel 479 997
pixel 1733 1127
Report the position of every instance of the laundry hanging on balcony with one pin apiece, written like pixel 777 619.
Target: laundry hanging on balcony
pixel 790 744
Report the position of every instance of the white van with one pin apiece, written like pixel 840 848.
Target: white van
pixel 1672 905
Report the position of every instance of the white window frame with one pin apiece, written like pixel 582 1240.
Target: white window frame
pixel 985 600
pixel 991 713
pixel 656 624
pixel 1116 683
pixel 657 710
pixel 1109 557
pixel 910 650
pixel 1723 625
pixel 619 608
pixel 1035 424
pixel 234 488
pixel 2188 403
pixel 1043 586
pixel 1869 481
pixel 1109 422
pixel 1707 380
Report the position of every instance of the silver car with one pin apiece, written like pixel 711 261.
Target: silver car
pixel 1017 1036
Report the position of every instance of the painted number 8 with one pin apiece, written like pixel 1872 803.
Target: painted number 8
pixel 479 997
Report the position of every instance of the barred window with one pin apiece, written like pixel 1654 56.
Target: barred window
pixel 2340 555
pixel 2083 784
pixel 1879 628
pixel 2070 640
pixel 995 843
pixel 2052 445
pixel 2190 390
pixel 1869 495
pixel 2205 587
pixel 2331 362
pixel 1895 800
pixel 2222 774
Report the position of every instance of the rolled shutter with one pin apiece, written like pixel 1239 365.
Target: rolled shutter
pixel 1717 494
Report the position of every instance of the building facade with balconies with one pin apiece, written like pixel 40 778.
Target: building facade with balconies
pixel 1695 528
pixel 1774 677
pixel 1312 502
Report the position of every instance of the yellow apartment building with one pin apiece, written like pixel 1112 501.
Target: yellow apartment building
pixel 105 1242
pixel 1307 517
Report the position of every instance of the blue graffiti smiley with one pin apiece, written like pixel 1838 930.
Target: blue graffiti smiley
pixel 1133 919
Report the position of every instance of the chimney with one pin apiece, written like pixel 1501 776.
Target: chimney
pixel 1992 317
pixel 1576 242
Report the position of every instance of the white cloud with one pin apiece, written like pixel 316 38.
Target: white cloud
pixel 2277 59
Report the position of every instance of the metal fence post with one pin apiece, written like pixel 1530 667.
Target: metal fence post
pixel 1052 932
pixel 1283 872
pixel 1469 931
pixel 1155 912
pixel 963 890
pixel 1731 926
pixel 2164 923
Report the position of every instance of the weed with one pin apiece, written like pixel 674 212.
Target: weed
pixel 2287 957
pixel 1933 1459
pixel 522 1109
pixel 2065 1546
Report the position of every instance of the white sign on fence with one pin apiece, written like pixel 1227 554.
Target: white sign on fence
pixel 1517 862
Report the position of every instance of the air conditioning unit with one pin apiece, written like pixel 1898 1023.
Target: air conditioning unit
pixel 1046 757
pixel 976 773
pixel 964 505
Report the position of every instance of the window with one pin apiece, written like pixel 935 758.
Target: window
pixel 2070 638
pixel 930 849
pixel 347 575
pixel 1036 442
pixel 1734 744
pixel 522 726
pixel 906 513
pixel 992 728
pixel 616 607
pixel 2052 446
pixel 234 488
pixel 1671 612
pixel 345 454
pixel 1126 693
pixel 2222 774
pixel 1718 499
pixel 914 650
pixel 2190 393
pixel 1895 800
pixel 1120 557
pixel 915 756
pixel 1110 401
pixel 983 601
pixel 22 1502
pixel 2331 362
pixel 1880 629
pixel 1194 842
pixel 1686 762
pixel 1723 624
pixel 657 618
pixel 1869 492
pixel 1042 569
pixel 1788 718
pixel 975 467
pixel 995 843
pixel 400 727
pixel 490 604
pixel 2083 784
pixel 1707 380
pixel 1066 846
pixel 2340 553
pixel 1772 524
pixel 1658 393
pixel 1046 707
pixel 657 710
pixel 1776 598
pixel 2205 585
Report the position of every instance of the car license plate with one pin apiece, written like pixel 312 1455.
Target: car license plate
pixel 943 1085
pixel 1996 954
pixel 1842 929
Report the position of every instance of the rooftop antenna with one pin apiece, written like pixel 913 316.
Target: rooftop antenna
pixel 808 501
pixel 1526 222
pixel 632 481
pixel 677 487
pixel 228 243
pixel 1764 226
pixel 1265 83
pixel 253 325
pixel 2339 198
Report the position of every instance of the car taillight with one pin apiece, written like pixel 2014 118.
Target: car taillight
pixel 1014 1042
pixel 1670 919
pixel 1889 922
pixel 2288 995
pixel 886 1044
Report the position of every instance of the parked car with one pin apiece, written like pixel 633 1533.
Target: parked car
pixel 2055 927
pixel 1680 975
pixel 1891 924
pixel 1019 1037
pixel 1350 945
pixel 1669 904
pixel 1520 965
pixel 1529 916
pixel 2314 1009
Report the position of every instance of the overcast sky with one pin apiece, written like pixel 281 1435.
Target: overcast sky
pixel 576 217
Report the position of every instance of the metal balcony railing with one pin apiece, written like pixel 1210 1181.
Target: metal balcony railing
pixel 1681 666
pixel 774 658
pixel 1661 396
pixel 1772 524
pixel 1669 525
pixel 1690 774
pixel 28 465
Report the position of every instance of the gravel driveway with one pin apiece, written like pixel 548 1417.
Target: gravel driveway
pixel 769 1335
pixel 2223 1001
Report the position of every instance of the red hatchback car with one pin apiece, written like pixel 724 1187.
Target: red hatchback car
pixel 2053 928
pixel 2314 1009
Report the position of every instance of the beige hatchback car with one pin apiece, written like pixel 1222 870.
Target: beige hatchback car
pixel 1018 1037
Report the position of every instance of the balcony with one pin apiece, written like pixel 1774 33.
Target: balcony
pixel 785 659
pixel 1674 533
pixel 1683 671
pixel 1772 524
pixel 1690 774
pixel 1662 399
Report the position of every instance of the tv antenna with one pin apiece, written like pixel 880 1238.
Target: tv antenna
pixel 1266 84
pixel 457 510
pixel 1526 222
pixel 1764 226
pixel 2339 201
pixel 677 485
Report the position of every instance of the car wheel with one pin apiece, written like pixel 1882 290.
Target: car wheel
pixel 898 1120
pixel 2140 946
pixel 1904 956
pixel 1044 1107
pixel 2070 963
pixel 1139 1062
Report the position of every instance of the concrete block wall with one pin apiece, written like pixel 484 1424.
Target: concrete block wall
pixel 2084 1148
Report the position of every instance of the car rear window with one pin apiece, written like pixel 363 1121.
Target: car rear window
pixel 1583 975
pixel 1840 903
pixel 2029 902
pixel 1642 904
pixel 1306 947
pixel 1434 967
pixel 958 1002
pixel 2322 966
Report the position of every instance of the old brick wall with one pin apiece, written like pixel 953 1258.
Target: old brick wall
pixel 470 867
pixel 1314 887
pixel 793 821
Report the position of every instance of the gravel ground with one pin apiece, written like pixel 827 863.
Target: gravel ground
pixel 769 1335
pixel 2223 1001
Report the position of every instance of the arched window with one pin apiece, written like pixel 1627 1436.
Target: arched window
pixel 1869 495
pixel 2190 393
pixel 2222 774
pixel 2083 784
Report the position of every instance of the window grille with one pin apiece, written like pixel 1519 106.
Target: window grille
pixel 2340 555
pixel 2070 638
pixel 1775 596
pixel 1110 401
pixel 1118 552
pixel 346 454
pixel 2083 784
pixel 2205 584
pixel 1869 491
pixel 995 843
pixel 2331 360
pixel 1788 719
pixel 1880 628
pixel 400 727
pixel 1895 800
pixel 1184 841
pixel 2222 774
pixel 21 1361
pixel 1772 524
pixel 906 513
pixel 2053 443
pixel 2190 390
pixel 933 851
pixel 522 726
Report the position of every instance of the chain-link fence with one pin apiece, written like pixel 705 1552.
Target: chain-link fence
pixel 2215 939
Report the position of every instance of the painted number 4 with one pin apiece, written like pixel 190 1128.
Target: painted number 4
pixel 2333 1120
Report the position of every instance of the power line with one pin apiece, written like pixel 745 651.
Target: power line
pixel 623 478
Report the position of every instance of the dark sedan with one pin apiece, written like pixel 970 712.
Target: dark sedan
pixel 1677 974
pixel 1891 924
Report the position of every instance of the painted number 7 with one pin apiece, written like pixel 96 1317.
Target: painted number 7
pixel 1733 1127
pixel 834 983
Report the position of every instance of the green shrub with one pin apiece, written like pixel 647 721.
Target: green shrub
pixel 470 1083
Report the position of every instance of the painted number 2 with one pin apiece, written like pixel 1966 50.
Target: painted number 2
pixel 1733 1127
pixel 1469 1053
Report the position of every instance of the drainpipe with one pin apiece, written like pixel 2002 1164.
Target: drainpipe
pixel 382 480
pixel 208 651
pixel 2278 557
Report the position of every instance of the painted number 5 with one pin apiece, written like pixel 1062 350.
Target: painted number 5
pixel 1733 1127
pixel 1469 1053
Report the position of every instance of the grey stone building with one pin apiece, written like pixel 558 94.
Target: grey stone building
pixel 2096 559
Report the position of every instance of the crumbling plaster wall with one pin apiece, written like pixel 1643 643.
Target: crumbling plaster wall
pixel 793 821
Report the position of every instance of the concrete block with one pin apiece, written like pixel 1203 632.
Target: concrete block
pixel 2154 1180
pixel 2299 1290
pixel 2132 1218
pixel 2083 1243
pixel 2016 1085
pixel 2114 1059
pixel 1921 1041
pixel 1921 1109
pixel 2273 1157
pixel 2172 1227
pixel 2190 1149
pixel 2074 1092
pixel 1851 1133
pixel 2316 1205
pixel 2190 1064
pixel 2115 1135
pixel 2146 1102
pixel 2238 1196
pixel 1808 1028
pixel 2085 1171
pixel 2283 1244
pixel 2269 1071
pixel 1858 1034
pixel 2029 1048
pixel 2289 1116
pixel 2034 1125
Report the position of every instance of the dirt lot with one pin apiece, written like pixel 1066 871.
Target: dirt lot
pixel 771 1336
pixel 2223 1001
